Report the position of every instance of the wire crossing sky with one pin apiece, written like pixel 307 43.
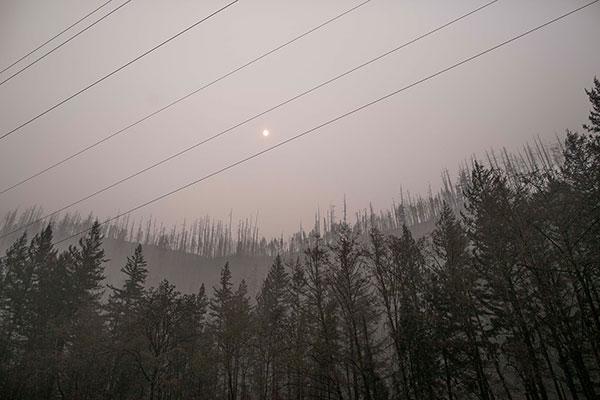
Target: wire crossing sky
pixel 71 97
pixel 26 67
pixel 345 115
pixel 246 121
pixel 186 96
pixel 502 100
pixel 55 36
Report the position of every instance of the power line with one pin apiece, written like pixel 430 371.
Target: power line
pixel 182 98
pixel 118 69
pixel 26 67
pixel 181 152
pixel 340 117
pixel 55 36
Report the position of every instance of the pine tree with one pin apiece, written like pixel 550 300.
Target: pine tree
pixel 243 330
pixel 123 301
pixel 87 268
pixel 123 313
pixel 85 362
pixel 491 225
pixel 359 318
pixel 324 373
pixel 418 363
pixel 456 313
pixel 17 284
pixel 298 336
pixel 48 314
pixel 230 312
pixel 271 313
pixel 594 96
pixel 202 379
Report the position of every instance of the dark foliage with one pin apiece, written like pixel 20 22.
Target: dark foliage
pixel 499 302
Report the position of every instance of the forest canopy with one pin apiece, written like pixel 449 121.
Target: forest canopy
pixel 500 301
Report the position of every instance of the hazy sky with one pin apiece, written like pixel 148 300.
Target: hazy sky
pixel 534 86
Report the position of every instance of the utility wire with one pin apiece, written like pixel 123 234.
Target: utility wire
pixel 26 67
pixel 182 98
pixel 340 117
pixel 181 152
pixel 118 69
pixel 55 36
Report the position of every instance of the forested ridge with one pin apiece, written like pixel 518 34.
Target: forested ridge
pixel 500 301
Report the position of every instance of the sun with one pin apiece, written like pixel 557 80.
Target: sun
pixel 265 132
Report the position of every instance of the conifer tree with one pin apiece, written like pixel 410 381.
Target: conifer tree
pixel 272 308
pixel 325 374
pixel 230 312
pixel 298 336
pixel 202 379
pixel 122 301
pixel 418 359
pixel 503 303
pixel 351 290
pixel 453 294
pixel 87 268
pixel 491 224
pixel 594 118
pixel 17 283
pixel 124 314
pixel 17 286
pixel 85 361
pixel 48 315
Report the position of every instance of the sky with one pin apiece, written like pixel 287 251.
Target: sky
pixel 532 87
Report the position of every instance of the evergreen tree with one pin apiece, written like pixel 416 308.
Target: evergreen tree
pixel 123 313
pixel 84 360
pixel 324 374
pixel 456 313
pixel 17 283
pixel 202 379
pixel 351 290
pixel 298 335
pixel 48 315
pixel 594 96
pixel 418 364
pixel 87 269
pixel 272 308
pixel 230 312
pixel 503 303
pixel 123 301
pixel 17 286
pixel 491 223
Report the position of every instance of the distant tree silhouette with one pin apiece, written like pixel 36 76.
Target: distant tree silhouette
pixel 501 300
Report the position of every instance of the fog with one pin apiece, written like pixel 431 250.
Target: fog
pixel 532 87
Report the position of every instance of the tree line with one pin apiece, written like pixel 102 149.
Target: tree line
pixel 212 238
pixel 499 302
